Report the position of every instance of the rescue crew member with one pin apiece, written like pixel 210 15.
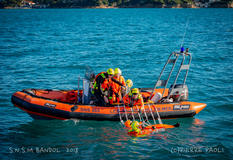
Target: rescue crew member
pixel 109 90
pixel 128 124
pixel 99 80
pixel 129 85
pixel 135 127
pixel 134 98
pixel 121 86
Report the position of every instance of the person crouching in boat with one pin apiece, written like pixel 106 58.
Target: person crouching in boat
pixel 109 91
pixel 129 85
pixel 99 80
pixel 121 86
pixel 134 98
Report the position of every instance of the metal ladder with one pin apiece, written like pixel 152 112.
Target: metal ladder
pixel 172 59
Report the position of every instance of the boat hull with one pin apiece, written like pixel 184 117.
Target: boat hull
pixel 40 108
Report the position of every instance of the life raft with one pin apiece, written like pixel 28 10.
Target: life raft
pixel 66 104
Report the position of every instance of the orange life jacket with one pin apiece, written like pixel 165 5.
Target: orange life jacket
pixel 109 86
pixel 130 101
pixel 121 80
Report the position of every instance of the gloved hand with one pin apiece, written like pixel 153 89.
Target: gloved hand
pixel 123 88
pixel 105 93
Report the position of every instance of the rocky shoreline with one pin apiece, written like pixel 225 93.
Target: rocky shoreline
pixel 215 4
pixel 110 7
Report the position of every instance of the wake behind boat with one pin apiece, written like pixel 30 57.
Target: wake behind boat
pixel 170 102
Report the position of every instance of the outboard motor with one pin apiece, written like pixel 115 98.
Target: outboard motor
pixel 179 92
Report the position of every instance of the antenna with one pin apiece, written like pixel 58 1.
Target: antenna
pixel 186 26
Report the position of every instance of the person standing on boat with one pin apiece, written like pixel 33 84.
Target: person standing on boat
pixel 129 85
pixel 97 90
pixel 134 98
pixel 119 86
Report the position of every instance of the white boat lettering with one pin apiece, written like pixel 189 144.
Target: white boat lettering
pixel 181 107
pixel 50 105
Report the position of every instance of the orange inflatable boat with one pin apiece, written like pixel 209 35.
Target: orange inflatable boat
pixel 170 102
pixel 61 104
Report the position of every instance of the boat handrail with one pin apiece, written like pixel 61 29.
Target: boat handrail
pixel 171 60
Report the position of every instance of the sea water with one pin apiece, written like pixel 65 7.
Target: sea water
pixel 51 48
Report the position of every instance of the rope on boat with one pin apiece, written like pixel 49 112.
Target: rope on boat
pixel 125 113
pixel 146 115
pixel 139 114
pixel 186 26
pixel 132 114
pixel 152 114
pixel 160 121
pixel 122 122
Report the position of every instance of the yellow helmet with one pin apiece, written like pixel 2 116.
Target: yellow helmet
pixel 135 91
pixel 117 71
pixel 110 71
pixel 129 83
pixel 135 125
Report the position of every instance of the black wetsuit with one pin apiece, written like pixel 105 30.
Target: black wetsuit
pixel 97 88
